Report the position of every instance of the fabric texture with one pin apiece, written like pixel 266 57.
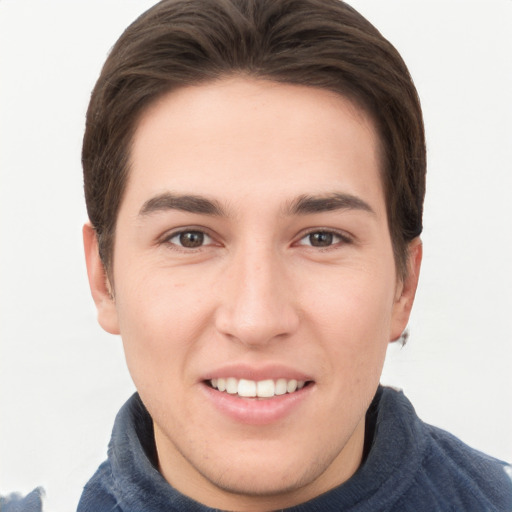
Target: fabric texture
pixel 409 466
pixel 32 502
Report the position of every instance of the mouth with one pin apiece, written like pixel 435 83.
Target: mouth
pixel 269 397
pixel 267 388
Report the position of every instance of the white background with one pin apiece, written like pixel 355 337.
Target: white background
pixel 62 379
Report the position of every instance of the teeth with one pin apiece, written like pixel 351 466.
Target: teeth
pixel 246 388
pixel 281 387
pixel 265 388
pixel 291 386
pixel 231 386
pixel 261 389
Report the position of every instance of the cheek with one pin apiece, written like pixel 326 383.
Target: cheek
pixel 160 321
pixel 353 315
pixel 351 299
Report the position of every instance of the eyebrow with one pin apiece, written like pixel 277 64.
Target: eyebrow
pixel 307 204
pixel 303 205
pixel 187 203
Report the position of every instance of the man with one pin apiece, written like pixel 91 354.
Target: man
pixel 254 176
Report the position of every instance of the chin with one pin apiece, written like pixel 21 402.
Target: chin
pixel 267 483
pixel 282 479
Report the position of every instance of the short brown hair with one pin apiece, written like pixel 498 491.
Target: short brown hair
pixel 317 43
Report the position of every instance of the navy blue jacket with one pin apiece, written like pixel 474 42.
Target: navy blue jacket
pixel 410 466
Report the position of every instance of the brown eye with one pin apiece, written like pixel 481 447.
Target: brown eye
pixel 321 239
pixel 190 239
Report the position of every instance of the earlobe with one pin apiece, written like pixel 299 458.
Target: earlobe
pixel 99 283
pixel 405 298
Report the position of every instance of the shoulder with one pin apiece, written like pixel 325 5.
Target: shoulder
pixel 467 475
pixel 446 473
pixel 32 502
pixel 98 493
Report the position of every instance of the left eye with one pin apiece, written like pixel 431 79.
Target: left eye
pixel 190 239
pixel 321 239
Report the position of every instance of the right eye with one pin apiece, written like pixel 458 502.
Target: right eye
pixel 190 239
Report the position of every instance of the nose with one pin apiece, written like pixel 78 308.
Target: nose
pixel 257 304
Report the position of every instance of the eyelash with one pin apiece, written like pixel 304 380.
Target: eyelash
pixel 343 239
pixel 179 246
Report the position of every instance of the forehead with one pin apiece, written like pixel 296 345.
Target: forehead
pixel 240 137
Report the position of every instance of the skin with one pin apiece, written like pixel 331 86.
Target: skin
pixel 258 292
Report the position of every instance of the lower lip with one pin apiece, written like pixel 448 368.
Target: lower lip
pixel 254 411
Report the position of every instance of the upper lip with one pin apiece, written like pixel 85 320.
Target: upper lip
pixel 257 373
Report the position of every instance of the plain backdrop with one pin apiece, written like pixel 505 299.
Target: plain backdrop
pixel 62 379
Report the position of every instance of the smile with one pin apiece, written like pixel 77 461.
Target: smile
pixel 256 389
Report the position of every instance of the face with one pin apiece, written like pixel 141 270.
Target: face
pixel 255 288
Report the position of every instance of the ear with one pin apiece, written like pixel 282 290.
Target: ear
pixel 101 290
pixel 406 290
